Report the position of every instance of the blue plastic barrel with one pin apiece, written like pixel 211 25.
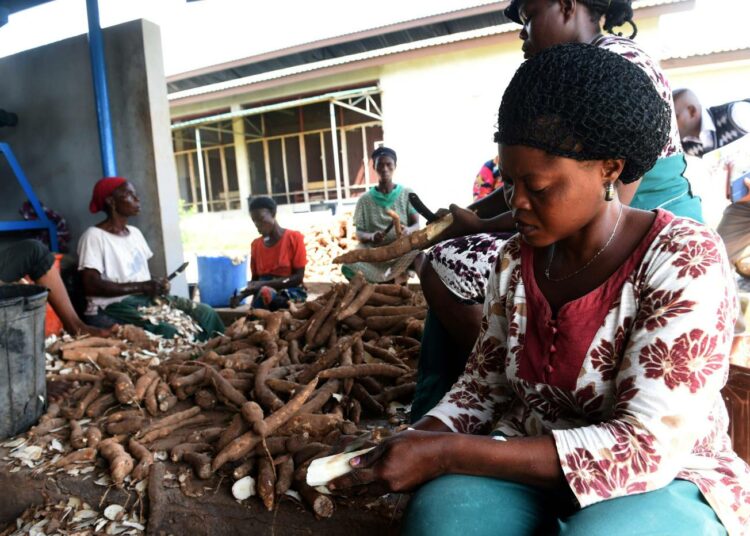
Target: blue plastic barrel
pixel 218 278
pixel 23 389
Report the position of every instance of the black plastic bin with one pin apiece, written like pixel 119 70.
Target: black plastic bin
pixel 23 391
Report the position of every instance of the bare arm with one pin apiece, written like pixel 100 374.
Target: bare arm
pixel 278 283
pixel 490 205
pixel 95 285
pixel 411 458
pixel 466 222
pixel 502 223
pixel 528 460
pixel 430 424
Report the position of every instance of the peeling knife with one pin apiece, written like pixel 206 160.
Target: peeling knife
pixel 358 443
pixel 178 271
pixel 420 207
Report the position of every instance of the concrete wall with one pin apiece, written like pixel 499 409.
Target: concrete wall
pixel 714 83
pixel 440 115
pixel 56 140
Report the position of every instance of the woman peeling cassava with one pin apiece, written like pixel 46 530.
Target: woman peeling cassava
pixel 454 278
pixel 372 221
pixel 591 402
pixel 277 261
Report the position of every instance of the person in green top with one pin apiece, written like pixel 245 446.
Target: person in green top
pixel 372 221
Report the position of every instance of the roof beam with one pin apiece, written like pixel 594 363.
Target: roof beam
pixel 279 106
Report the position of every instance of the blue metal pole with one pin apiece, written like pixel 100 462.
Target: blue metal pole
pixel 101 94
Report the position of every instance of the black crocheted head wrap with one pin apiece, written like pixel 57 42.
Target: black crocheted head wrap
pixel 616 13
pixel 383 151
pixel 585 103
pixel 257 203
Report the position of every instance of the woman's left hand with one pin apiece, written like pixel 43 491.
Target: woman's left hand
pixel 398 464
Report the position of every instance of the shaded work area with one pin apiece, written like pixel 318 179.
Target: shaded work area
pixel 56 139
pixel 571 362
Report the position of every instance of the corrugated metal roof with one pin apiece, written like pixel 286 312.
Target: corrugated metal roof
pixel 481 15
pixel 358 49
pixel 692 34
pixel 640 4
pixel 14 6
pixel 281 73
pixel 706 50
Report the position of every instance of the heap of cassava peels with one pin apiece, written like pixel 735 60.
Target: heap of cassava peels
pixel 325 242
pixel 261 401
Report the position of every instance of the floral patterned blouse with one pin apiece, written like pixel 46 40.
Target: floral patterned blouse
pixel 627 378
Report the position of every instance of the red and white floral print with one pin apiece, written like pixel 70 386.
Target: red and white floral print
pixel 660 360
pixel 646 407
pixel 697 258
pixel 659 306
pixel 606 357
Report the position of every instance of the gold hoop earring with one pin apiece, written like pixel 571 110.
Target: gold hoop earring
pixel 609 192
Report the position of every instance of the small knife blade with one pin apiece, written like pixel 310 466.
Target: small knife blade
pixel 178 271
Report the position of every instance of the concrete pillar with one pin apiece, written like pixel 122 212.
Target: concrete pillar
pixel 165 170
pixel 241 158
pixel 56 139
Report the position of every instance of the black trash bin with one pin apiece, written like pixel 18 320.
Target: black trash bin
pixel 23 391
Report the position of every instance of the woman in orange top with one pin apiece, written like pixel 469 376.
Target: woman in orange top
pixel 277 261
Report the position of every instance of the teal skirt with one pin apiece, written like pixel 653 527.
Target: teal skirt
pixel 480 506
pixel 665 186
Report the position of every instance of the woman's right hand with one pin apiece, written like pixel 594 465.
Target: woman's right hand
pixel 399 464
pixel 156 287
pixel 465 222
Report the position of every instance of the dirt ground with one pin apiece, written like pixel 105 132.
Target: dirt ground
pixel 214 512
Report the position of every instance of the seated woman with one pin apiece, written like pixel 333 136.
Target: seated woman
pixel 603 345
pixel 455 276
pixel 32 258
pixel 373 223
pixel 113 261
pixel 277 261
pixel 488 179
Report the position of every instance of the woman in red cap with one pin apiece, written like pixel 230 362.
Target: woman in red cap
pixel 113 260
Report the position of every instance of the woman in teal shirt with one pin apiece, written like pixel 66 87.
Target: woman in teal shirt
pixel 373 223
